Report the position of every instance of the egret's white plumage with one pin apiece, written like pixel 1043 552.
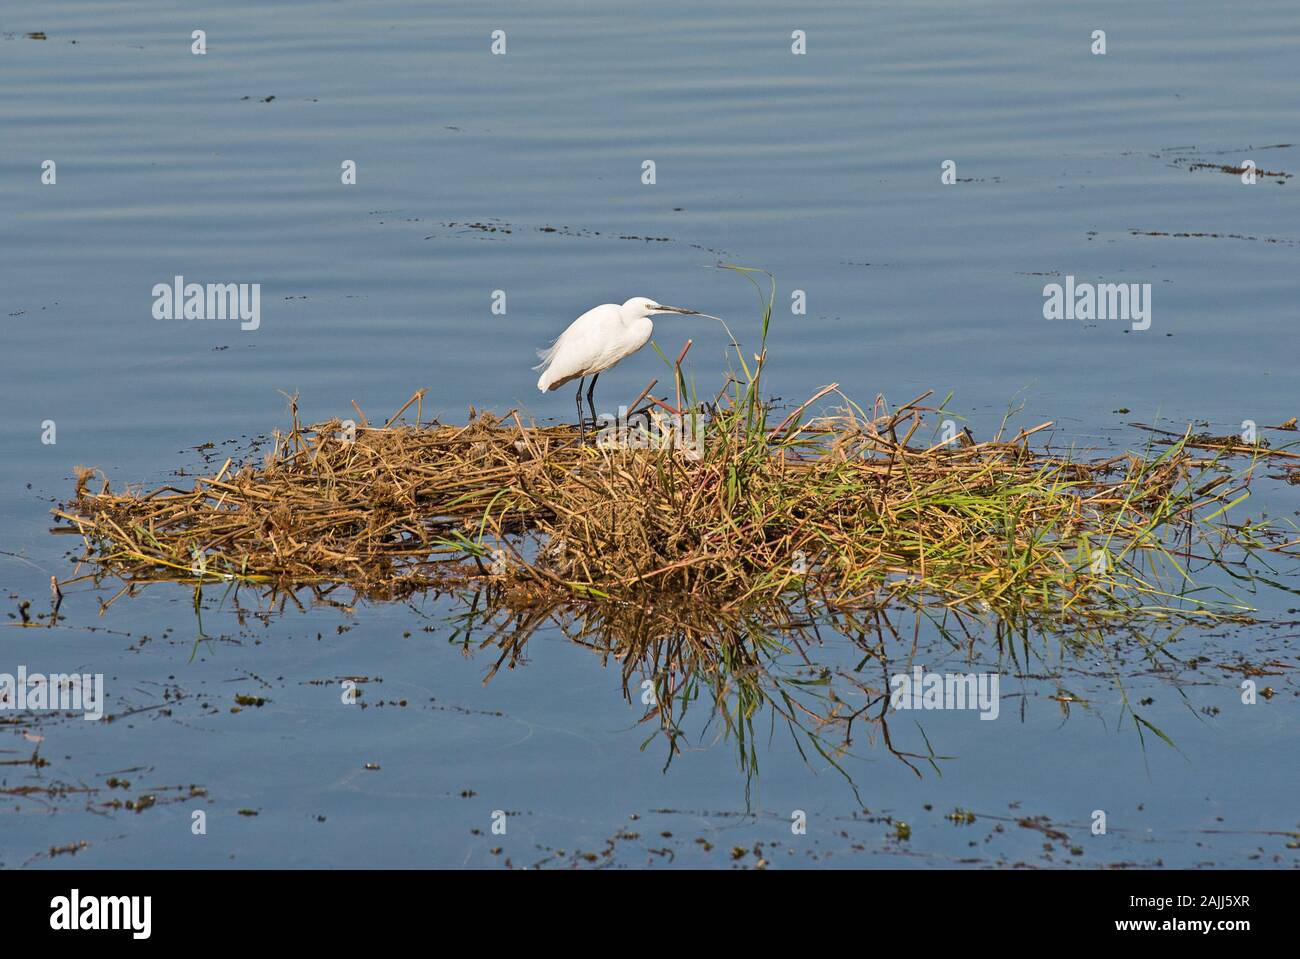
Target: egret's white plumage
pixel 596 341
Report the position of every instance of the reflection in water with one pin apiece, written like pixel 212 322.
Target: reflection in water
pixel 833 679
pixel 824 676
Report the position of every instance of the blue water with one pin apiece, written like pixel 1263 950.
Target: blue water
pixel 823 168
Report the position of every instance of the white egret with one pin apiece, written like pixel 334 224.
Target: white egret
pixel 596 341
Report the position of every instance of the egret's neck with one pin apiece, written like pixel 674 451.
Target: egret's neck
pixel 635 320
pixel 639 328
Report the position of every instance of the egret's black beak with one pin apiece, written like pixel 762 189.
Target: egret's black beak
pixel 677 309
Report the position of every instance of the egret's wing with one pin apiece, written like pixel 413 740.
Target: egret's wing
pixel 584 330
pixel 580 348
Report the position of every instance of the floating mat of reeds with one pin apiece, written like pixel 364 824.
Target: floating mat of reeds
pixel 849 510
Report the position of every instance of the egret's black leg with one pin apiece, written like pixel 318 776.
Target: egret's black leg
pixel 581 428
pixel 590 404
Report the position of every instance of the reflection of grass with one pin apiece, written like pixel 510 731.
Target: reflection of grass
pixel 820 677
pixel 678 658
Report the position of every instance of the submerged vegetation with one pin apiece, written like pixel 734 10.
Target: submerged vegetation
pixel 704 541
